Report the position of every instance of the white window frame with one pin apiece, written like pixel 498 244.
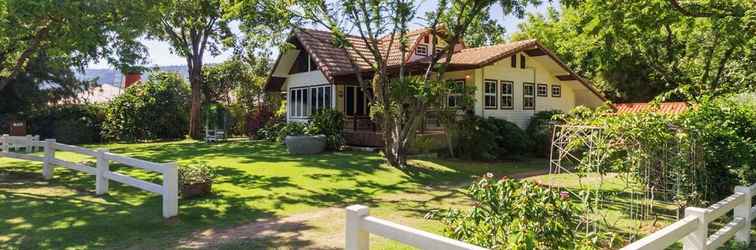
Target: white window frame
pixel 528 96
pixel 542 87
pixel 555 88
pixel 456 96
pixel 304 108
pixel 487 94
pixel 504 94
pixel 421 50
pixel 365 100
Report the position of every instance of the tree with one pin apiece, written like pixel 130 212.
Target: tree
pixel 400 101
pixel 638 50
pixel 193 28
pixel 71 33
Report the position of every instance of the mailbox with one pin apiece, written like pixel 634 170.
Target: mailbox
pixel 18 128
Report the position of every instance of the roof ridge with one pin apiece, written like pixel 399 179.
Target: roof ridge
pixel 500 45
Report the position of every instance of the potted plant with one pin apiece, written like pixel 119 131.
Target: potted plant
pixel 195 180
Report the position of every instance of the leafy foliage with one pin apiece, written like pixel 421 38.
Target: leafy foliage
pixel 53 29
pixel 637 50
pixel 70 124
pixel 195 173
pixel 489 139
pixel 720 131
pixel 156 109
pixel 513 214
pixel 330 123
pixel 539 132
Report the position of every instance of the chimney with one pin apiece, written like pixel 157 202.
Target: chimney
pixel 131 78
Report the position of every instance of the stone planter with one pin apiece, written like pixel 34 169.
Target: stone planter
pixel 305 144
pixel 196 190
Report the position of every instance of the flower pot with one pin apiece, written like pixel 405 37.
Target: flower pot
pixel 305 144
pixel 195 190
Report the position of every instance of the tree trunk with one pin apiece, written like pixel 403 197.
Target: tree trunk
pixel 195 114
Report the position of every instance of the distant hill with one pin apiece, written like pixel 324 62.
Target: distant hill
pixel 115 78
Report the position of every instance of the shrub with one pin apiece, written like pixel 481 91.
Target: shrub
pixel 513 214
pixel 195 173
pixel 156 109
pixel 330 123
pixel 291 128
pixel 475 139
pixel 539 132
pixel 510 139
pixel 726 130
pixel 488 139
pixel 256 121
pixel 70 124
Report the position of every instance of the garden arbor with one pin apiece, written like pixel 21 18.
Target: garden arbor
pixel 650 177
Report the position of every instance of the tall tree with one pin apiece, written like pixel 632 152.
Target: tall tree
pixel 638 50
pixel 193 28
pixel 399 99
pixel 73 33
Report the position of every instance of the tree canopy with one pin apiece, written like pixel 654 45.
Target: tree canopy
pixel 638 50
pixel 72 33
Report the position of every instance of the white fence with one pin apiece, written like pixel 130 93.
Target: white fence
pixel 693 230
pixel 359 226
pixel 102 173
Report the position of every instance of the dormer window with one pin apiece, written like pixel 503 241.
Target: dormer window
pixel 304 63
pixel 421 50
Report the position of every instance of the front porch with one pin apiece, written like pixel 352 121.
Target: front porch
pixel 362 131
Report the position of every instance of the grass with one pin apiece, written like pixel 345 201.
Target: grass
pixel 255 180
pixel 623 205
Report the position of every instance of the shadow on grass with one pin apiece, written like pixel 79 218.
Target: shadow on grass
pixel 64 212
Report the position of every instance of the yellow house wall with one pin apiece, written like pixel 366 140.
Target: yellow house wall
pixel 533 73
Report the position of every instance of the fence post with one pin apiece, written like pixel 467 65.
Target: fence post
pixel 47 166
pixel 743 210
pixel 356 237
pixel 35 144
pixel 697 239
pixel 103 167
pixel 5 143
pixel 170 190
pixel 29 143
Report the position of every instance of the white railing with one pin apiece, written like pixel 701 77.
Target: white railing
pixel 359 226
pixel 101 171
pixel 693 230
pixel 13 143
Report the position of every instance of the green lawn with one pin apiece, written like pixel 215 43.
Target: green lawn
pixel 256 180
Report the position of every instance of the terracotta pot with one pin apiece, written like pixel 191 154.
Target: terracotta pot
pixel 195 190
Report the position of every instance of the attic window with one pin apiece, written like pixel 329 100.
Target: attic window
pixel 421 50
pixel 556 90
pixel 304 63
pixel 522 61
pixel 426 39
pixel 514 61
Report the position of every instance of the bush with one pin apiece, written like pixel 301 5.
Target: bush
pixel 514 214
pixel 330 123
pixel 70 124
pixel 255 121
pixel 291 128
pixel 726 130
pixel 488 139
pixel 539 132
pixel 195 173
pixel 156 109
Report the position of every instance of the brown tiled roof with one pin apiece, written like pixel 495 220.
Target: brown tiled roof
pixel 334 61
pixel 489 54
pixel 665 107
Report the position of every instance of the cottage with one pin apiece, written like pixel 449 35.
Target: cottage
pixel 512 81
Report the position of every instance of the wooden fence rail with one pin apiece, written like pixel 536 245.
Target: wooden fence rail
pixel 692 230
pixel 168 189
pixel 359 226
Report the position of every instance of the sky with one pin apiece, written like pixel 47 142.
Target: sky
pixel 160 52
